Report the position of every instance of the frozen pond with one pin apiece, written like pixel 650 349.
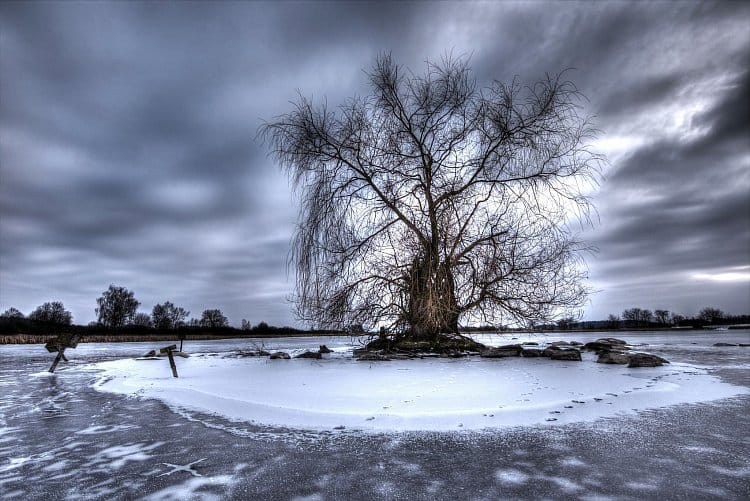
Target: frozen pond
pixel 61 438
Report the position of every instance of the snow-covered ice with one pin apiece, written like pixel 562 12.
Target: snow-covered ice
pixel 429 394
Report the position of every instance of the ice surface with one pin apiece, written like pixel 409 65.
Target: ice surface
pixel 430 394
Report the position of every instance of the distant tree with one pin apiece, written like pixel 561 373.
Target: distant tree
pixel 662 316
pixel 677 319
pixel 638 316
pixel 194 322
pixel 142 320
pixel 117 307
pixel 356 329
pixel 262 326
pixel 613 321
pixel 213 318
pixel 53 312
pixel 565 323
pixel 245 326
pixel 711 315
pixel 12 313
pixel 168 316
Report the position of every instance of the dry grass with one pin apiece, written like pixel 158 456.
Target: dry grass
pixel 125 338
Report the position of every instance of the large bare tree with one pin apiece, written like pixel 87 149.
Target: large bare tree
pixel 433 200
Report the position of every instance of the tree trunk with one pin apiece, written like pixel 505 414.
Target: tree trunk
pixel 432 305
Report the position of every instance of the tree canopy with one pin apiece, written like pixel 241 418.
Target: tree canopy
pixel 53 312
pixel 116 307
pixel 433 200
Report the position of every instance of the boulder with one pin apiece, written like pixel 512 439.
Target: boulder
pixel 645 360
pixel 309 354
pixel 511 350
pixel 151 353
pixel 612 357
pixel 372 357
pixel 559 343
pixel 606 344
pixel 532 352
pixel 530 343
pixel 569 354
pixel 324 349
pixel 280 355
pixel 724 344
pixel 611 340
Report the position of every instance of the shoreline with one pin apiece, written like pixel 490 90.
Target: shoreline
pixel 11 339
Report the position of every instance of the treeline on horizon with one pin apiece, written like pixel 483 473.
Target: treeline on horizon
pixel 118 318
pixel 637 318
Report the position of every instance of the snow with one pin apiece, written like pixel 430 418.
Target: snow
pixel 431 394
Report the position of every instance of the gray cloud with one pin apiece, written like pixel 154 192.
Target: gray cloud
pixel 127 151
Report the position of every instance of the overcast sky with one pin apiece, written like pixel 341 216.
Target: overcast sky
pixel 128 152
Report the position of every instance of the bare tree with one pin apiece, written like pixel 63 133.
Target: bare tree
pixel 213 318
pixel 711 314
pixel 434 200
pixel 638 316
pixel 53 312
pixel 142 320
pixel 662 316
pixel 168 316
pixel 12 313
pixel 613 321
pixel 116 307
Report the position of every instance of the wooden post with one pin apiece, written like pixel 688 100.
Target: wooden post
pixel 59 344
pixel 59 356
pixel 168 350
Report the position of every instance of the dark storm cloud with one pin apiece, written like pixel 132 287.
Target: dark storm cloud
pixel 127 150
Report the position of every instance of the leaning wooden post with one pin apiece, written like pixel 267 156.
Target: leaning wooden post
pixel 57 359
pixel 168 350
pixel 59 344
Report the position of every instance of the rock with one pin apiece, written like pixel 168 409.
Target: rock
pixel 606 344
pixel 181 354
pixel 575 343
pixel 511 350
pixel 530 343
pixel 559 343
pixel 724 344
pixel 371 357
pixel 645 360
pixel 532 352
pixel 612 357
pixel 280 355
pixel 744 345
pixel 151 353
pixel 453 354
pixel 611 340
pixel 309 354
pixel 263 353
pixel 570 354
pixel 324 349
